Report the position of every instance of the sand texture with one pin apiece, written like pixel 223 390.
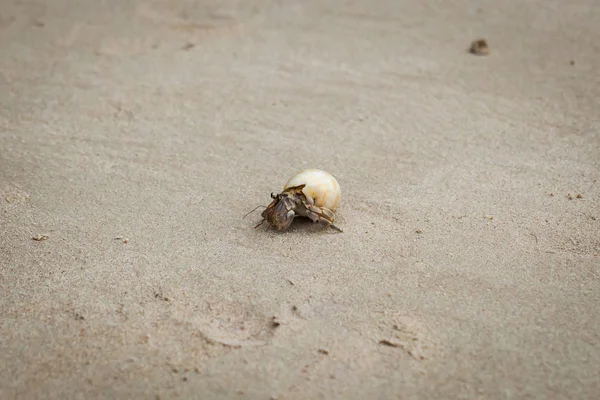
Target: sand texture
pixel 135 135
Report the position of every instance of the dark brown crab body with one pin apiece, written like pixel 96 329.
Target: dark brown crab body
pixel 312 193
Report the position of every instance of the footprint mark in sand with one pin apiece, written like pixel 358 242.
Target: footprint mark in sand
pixel 193 18
pixel 13 194
pixel 196 21
pixel 234 325
pixel 409 335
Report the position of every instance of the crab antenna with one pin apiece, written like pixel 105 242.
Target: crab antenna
pixel 255 208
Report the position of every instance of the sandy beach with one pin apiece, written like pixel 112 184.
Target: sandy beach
pixel 135 135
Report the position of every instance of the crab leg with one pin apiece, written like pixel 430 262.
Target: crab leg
pixel 320 215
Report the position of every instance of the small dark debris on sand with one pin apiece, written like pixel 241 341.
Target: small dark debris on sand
pixel 572 196
pixel 274 322
pixel 323 351
pixel 385 342
pixel 188 46
pixel 159 295
pixel 40 238
pixel 479 47
pixel 414 354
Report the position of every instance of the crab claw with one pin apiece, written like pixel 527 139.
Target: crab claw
pixel 285 220
pixel 280 213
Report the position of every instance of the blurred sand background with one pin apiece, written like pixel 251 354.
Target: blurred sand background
pixel 135 135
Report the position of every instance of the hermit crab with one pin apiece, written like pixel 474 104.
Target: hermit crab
pixel 311 193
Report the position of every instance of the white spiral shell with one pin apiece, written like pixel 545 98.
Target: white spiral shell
pixel 321 186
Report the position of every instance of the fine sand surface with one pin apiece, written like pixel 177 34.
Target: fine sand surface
pixel 136 134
